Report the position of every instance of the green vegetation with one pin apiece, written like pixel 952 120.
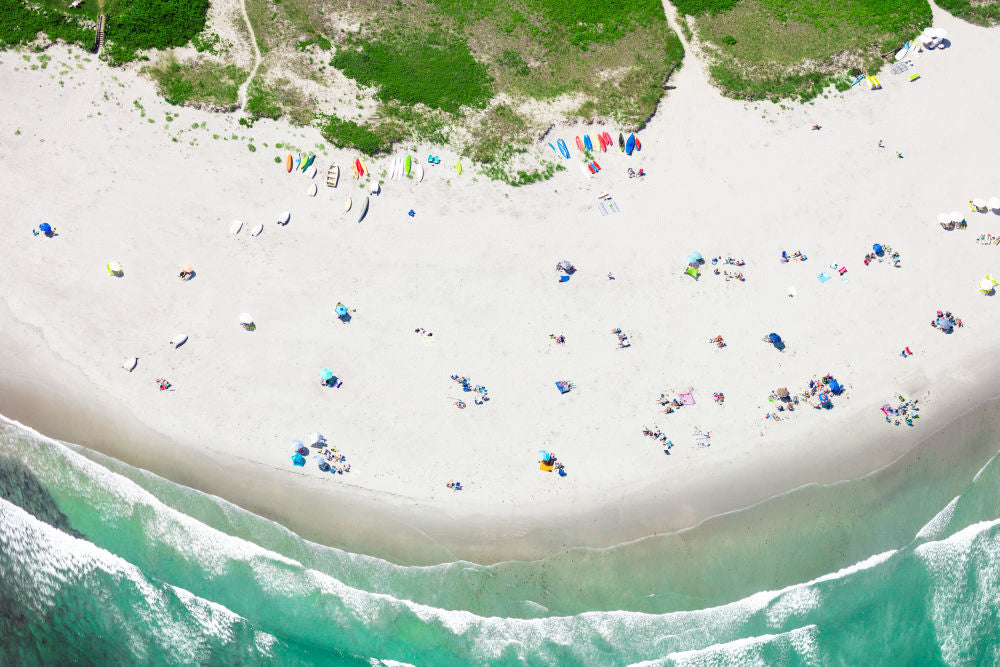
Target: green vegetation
pixel 796 48
pixel 198 82
pixel 346 133
pixel 135 25
pixel 980 12
pixel 429 69
pixel 21 23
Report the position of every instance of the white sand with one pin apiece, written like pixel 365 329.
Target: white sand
pixel 475 267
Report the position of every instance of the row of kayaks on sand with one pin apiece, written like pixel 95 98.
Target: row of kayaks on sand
pixel 604 141
pixel 400 167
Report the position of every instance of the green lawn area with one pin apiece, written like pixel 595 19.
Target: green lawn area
pixel 982 12
pixel 794 48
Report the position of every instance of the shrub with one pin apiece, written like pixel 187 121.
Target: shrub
pixel 134 25
pixel 343 133
pixel 21 23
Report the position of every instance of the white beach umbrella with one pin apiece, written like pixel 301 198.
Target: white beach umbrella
pixel 957 217
pixel 944 218
pixel 129 363
pixel 979 202
pixel 987 285
pixel 316 438
pixel 115 266
pixel 994 203
pixel 245 318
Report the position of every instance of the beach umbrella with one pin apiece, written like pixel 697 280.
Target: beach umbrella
pixel 341 310
pixel 878 249
pixel 979 202
pixel 116 267
pixel 774 338
pixel 823 398
pixel 783 392
pixel 543 455
pixel 245 318
pixel 955 216
pixel 45 227
pixel 566 265
pixel 694 258
pixel 296 443
pixel 944 323
pixel 315 438
pixel 944 218
pixel 987 285
pixel 994 203
pixel 326 375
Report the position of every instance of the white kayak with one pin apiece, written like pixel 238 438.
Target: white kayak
pixel 312 189
pixel 237 226
pixel 257 231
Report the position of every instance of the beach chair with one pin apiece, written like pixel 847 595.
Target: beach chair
pixel 875 83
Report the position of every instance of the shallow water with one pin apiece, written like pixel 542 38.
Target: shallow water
pixel 106 563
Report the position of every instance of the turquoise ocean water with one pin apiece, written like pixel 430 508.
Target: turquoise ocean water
pixel 101 563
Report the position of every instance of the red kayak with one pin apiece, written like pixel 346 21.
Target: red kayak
pixel 638 146
pixel 597 165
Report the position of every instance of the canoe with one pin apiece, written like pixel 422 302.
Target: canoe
pixel 288 163
pixel 347 205
pixel 419 172
pixel 621 141
pixel 312 189
pixel 563 149
pixel 364 209
pixel 579 143
pixel 458 167
pixel 407 165
pixel 312 158
pixel 587 143
pixel 332 175
pixel 237 226
pixel 630 144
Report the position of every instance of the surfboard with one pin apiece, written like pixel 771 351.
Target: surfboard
pixel 312 158
pixel 563 149
pixel 258 230
pixel 288 163
pixel 332 175
pixel 587 143
pixel 347 205
pixel 311 172
pixel 579 143
pixel 237 226
pixel 621 141
pixel 312 189
pixel 408 165
pixel 298 159
pixel 419 172
pixel 364 209
pixel 458 167
pixel 630 144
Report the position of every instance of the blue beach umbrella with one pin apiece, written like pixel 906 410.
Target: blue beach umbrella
pixel 341 310
pixel 326 375
pixel 543 455
pixel 694 258
pixel 45 227
pixel 774 338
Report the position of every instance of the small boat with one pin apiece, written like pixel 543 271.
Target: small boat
pixel 562 148
pixel 332 175
pixel 311 172
pixel 630 144
pixel 553 148
pixel 638 146
pixel 362 167
pixel 257 231
pixel 597 165
pixel 237 226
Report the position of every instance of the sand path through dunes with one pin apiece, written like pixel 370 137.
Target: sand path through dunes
pixel 242 96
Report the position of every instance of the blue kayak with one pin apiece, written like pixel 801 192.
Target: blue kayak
pixel 587 143
pixel 630 144
pixel 563 149
pixel 554 150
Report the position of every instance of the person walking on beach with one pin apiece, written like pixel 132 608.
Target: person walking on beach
pixel 880 144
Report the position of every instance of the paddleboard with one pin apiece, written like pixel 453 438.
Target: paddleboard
pixel 298 159
pixel 237 226
pixel 408 165
pixel 630 144
pixel 258 230
pixel 621 141
pixel 419 172
pixel 332 175
pixel 364 209
pixel 312 158
pixel 587 143
pixel 288 163
pixel 311 172
pixel 312 189
pixel 579 143
pixel 563 149
pixel 347 205
pixel 458 167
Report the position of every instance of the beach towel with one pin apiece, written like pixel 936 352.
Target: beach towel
pixel 298 460
pixel 545 467
pixel 563 386
pixel 823 277
pixel 687 399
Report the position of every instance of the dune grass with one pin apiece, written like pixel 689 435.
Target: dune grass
pixel 983 12
pixel 200 82
pixel 795 48
pixel 135 25
pixel 21 23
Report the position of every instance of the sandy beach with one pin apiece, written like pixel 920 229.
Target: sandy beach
pixel 91 153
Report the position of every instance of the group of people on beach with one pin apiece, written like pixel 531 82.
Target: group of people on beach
pixel 988 239
pixel 478 391
pixel 623 341
pixel 881 252
pixel 905 412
